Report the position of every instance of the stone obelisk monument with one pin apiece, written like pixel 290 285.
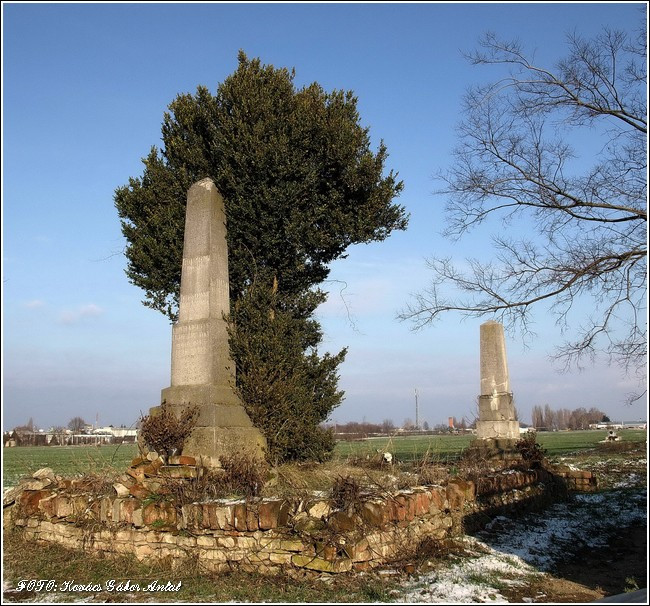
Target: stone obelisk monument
pixel 497 425
pixel 203 372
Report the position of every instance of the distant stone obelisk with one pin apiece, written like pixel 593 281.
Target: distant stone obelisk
pixel 496 423
pixel 202 370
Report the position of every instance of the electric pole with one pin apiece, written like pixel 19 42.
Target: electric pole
pixel 417 415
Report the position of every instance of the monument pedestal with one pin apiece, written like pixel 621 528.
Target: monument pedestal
pixel 499 452
pixel 498 430
pixel 220 428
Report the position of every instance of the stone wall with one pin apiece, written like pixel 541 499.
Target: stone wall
pixel 270 533
pixel 575 479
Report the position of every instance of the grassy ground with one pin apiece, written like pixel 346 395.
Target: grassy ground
pixel 64 460
pixel 30 561
pixel 76 460
pixel 449 447
pixel 560 442
pixel 53 562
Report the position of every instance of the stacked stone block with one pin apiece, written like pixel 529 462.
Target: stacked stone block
pixel 262 534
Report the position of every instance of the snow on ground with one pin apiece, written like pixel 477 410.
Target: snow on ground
pixel 512 550
pixel 585 521
pixel 474 578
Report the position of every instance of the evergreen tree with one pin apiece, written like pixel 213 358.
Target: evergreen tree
pixel 288 389
pixel 300 184
pixel 295 168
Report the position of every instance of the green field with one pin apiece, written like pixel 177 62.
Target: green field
pixel 445 448
pixel 76 460
pixel 64 460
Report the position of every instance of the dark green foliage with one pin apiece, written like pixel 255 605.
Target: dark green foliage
pixel 153 223
pixel 300 184
pixel 299 181
pixel 288 389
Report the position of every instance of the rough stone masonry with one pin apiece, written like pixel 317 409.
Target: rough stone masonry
pixel 497 423
pixel 202 370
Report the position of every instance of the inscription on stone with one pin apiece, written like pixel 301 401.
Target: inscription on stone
pixel 192 363
pixel 195 306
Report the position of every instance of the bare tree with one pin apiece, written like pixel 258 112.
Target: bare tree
pixel 76 424
pixel 517 160
pixel 549 418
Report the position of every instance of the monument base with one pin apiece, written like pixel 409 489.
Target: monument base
pixel 498 452
pixel 504 445
pixel 497 430
pixel 211 443
pixel 184 395
pixel 213 415
pixel 221 428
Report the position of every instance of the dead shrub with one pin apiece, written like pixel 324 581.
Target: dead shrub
pixel 429 548
pixel 243 473
pixel 474 465
pixel 164 432
pixel 96 483
pixel 432 474
pixel 430 469
pixel 206 487
pixel 529 449
pixel 345 493
pixel 411 557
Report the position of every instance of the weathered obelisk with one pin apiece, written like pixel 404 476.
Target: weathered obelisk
pixel 203 372
pixel 497 424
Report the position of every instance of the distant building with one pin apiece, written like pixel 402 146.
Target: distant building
pixel 103 435
pixel 126 434
pixel 620 425
pixel 23 437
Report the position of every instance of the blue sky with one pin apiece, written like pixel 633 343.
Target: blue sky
pixel 84 90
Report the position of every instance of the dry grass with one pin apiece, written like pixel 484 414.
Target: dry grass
pixel 98 483
pixel 302 479
pixel 616 447
pixel 30 560
pixel 241 475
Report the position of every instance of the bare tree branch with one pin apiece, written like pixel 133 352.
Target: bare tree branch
pixel 518 159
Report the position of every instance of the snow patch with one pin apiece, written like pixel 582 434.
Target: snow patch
pixel 509 551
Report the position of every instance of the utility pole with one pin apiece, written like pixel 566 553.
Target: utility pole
pixel 417 415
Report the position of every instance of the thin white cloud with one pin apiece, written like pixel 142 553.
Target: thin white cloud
pixel 76 315
pixel 35 304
